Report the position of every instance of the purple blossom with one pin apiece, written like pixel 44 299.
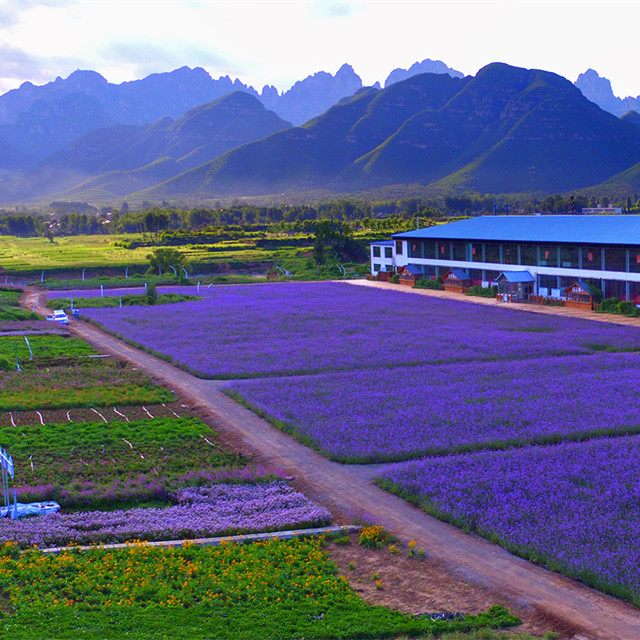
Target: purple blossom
pixel 265 330
pixel 573 506
pixel 221 509
pixel 378 414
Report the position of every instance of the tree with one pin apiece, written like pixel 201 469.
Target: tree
pixel 162 259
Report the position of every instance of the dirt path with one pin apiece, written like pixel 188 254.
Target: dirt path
pixel 348 491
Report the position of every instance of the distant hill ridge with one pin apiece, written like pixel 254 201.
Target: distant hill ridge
pixel 505 130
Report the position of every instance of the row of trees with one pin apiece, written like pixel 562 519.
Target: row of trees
pixel 359 213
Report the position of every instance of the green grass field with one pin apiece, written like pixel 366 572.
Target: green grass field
pixel 77 252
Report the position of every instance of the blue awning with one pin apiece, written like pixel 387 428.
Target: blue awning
pixel 516 276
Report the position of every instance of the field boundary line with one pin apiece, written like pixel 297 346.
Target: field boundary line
pixel 213 542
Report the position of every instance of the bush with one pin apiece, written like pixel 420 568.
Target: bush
pixel 428 283
pixel 152 294
pixel 395 278
pixel 483 292
pixel 609 305
pixel 627 308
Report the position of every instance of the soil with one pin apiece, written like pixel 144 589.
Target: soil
pixel 460 572
pixel 418 585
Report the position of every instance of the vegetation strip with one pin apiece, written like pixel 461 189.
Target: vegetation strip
pixel 241 539
pixel 359 417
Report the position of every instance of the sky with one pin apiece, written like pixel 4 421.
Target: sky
pixel 278 43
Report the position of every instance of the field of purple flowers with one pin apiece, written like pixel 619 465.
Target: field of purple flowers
pixel 377 415
pixel 572 506
pixel 294 328
pixel 222 509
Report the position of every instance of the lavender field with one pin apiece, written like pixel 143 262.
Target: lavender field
pixel 295 328
pixel 371 416
pixel 573 507
pixel 221 509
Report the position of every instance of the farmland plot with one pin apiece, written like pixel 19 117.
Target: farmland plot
pixel 287 329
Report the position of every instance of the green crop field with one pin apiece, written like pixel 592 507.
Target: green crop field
pixel 33 254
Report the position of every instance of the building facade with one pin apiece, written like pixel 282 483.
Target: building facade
pixel 556 251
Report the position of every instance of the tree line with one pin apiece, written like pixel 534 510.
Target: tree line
pixel 358 214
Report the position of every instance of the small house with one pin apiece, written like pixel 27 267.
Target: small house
pixel 515 286
pixel 579 295
pixel 409 275
pixel 457 280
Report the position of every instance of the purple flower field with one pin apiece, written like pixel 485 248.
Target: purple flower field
pixel 127 291
pixel 221 509
pixel 573 506
pixel 293 328
pixel 377 415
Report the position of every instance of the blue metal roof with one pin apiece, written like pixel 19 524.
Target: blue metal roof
pixel 517 276
pixel 575 229
pixel 583 285
pixel 461 274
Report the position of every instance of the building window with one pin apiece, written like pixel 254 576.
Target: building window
pixel 615 260
pixel 592 258
pixel 476 252
pixel 569 257
pixel 459 251
pixel 548 256
pixel 491 252
pixel 430 249
pixel 528 254
pixel 376 252
pixel 548 282
pixel 444 250
pixel 510 254
pixel 415 248
pixel 615 289
pixel 399 247
pixel 376 266
pixel 388 252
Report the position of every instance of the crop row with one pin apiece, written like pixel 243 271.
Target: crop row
pixel 75 383
pixel 98 464
pixel 572 506
pixel 372 416
pixel 196 512
pixel 252 331
pixel 284 589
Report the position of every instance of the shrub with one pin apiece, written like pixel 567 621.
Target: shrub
pixel 395 278
pixel 428 283
pixel 627 308
pixel 609 305
pixel 483 292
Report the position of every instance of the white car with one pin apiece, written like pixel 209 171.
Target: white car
pixel 60 316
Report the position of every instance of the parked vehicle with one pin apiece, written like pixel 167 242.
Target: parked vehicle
pixel 59 316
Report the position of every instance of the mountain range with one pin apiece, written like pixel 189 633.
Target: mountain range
pixel 505 130
pixel 170 135
pixel 598 90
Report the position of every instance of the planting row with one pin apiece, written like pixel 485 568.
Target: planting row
pixel 97 464
pixel 75 383
pixel 375 415
pixel 293 328
pixel 196 512
pixel 574 507
pixel 284 589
